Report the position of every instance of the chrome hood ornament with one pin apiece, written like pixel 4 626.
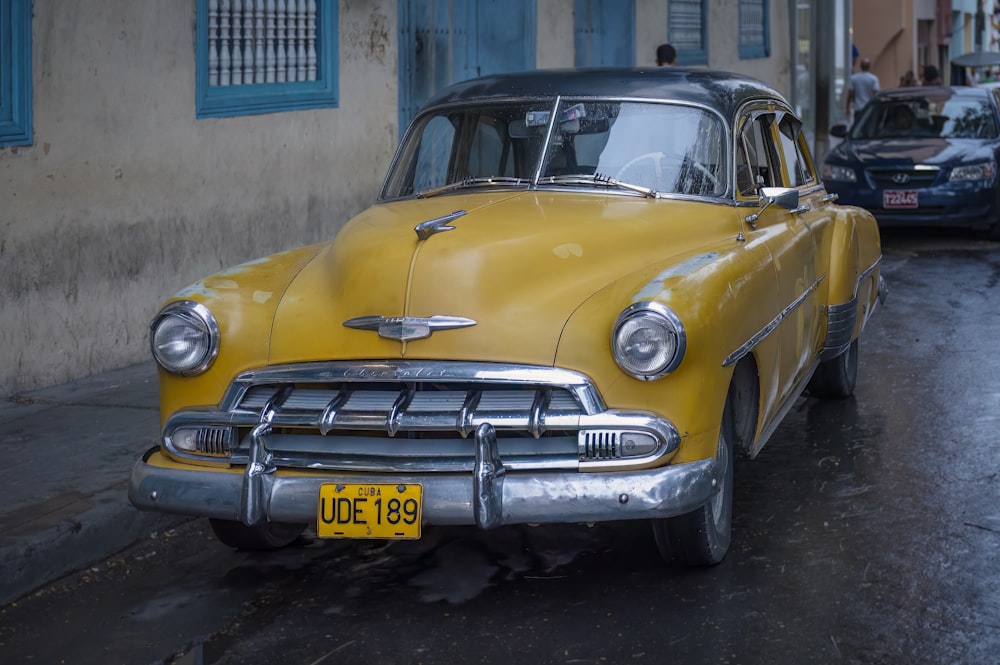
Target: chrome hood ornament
pixel 408 328
pixel 426 229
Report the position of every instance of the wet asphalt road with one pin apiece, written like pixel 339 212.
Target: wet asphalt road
pixel 866 531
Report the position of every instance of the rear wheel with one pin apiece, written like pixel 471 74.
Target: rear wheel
pixel 263 536
pixel 836 378
pixel 702 537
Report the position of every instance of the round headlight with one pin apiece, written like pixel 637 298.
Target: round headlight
pixel 648 341
pixel 184 338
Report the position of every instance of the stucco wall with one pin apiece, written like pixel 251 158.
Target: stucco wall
pixel 125 197
pixel 723 39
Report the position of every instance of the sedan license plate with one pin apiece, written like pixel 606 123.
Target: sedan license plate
pixel 899 198
pixel 369 510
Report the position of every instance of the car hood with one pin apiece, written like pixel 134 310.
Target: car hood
pixel 517 264
pixel 939 152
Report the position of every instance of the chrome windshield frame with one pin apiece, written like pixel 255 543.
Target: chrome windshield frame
pixel 726 196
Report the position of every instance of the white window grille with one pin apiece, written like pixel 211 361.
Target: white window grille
pixel 258 56
pixel 261 41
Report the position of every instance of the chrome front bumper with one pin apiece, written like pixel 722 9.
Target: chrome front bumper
pixel 487 498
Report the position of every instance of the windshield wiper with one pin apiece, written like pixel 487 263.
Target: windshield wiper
pixel 585 179
pixel 473 182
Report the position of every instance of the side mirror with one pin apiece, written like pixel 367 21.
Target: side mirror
pixel 783 197
pixel 839 131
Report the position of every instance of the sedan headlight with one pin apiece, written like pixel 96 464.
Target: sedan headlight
pixel 968 172
pixel 838 173
pixel 184 338
pixel 648 341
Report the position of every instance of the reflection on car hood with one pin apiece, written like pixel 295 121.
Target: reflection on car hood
pixel 916 151
pixel 517 264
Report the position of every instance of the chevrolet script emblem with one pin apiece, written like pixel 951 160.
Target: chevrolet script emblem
pixel 408 328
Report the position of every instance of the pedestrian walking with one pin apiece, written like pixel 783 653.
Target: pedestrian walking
pixel 861 88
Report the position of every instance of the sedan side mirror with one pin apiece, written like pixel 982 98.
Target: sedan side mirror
pixel 839 131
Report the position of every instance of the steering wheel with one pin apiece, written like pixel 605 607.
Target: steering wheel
pixel 658 159
pixel 661 159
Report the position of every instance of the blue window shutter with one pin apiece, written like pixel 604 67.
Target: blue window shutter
pixel 687 30
pixel 754 37
pixel 15 73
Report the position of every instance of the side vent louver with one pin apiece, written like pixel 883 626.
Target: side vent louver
pixel 601 445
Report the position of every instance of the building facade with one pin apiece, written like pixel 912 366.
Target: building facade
pixel 144 145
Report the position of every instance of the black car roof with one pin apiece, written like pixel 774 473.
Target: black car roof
pixel 723 91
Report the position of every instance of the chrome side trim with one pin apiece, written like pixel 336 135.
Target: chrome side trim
pixel 840 320
pixel 842 317
pixel 772 325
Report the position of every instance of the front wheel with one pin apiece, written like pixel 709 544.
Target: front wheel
pixel 702 537
pixel 262 537
pixel 835 378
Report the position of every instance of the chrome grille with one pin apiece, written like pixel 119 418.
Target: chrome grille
pixel 420 416
pixel 903 177
pixel 415 408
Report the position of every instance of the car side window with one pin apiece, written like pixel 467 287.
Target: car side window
pixel 793 151
pixel 756 161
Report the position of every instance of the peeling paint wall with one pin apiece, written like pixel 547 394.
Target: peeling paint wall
pixel 125 198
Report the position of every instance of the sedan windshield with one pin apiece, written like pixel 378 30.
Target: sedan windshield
pixel 628 147
pixel 945 116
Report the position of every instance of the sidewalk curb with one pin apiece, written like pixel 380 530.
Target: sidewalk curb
pixel 69 540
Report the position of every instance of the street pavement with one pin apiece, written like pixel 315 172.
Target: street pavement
pixel 67 452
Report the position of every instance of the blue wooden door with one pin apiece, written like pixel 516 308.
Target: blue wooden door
pixel 444 41
pixel 604 33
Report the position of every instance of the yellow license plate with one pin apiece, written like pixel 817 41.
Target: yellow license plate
pixel 366 510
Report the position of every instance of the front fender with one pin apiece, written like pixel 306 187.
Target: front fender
pixel 724 294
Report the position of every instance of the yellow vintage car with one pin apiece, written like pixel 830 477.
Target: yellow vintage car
pixel 580 297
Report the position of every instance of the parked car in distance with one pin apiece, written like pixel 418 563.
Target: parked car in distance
pixel 579 296
pixel 922 157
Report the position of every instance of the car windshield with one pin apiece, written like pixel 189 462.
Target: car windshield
pixel 631 147
pixel 945 116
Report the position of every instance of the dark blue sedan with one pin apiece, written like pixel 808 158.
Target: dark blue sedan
pixel 922 157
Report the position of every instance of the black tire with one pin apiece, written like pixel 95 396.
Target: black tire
pixel 702 537
pixel 836 378
pixel 262 537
